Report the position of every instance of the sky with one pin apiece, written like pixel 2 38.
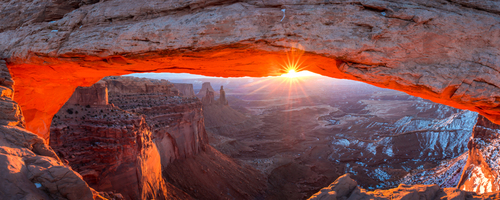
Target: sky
pixel 176 76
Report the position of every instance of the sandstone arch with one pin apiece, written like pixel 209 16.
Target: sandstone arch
pixel 445 51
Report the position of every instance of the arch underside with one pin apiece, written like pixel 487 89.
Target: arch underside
pixel 447 52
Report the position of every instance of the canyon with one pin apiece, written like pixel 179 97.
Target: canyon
pixel 125 132
pixel 303 140
pixel 137 133
pixel 443 51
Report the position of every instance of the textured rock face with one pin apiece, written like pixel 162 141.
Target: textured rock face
pixel 186 158
pixel 111 148
pixel 446 51
pixel 447 174
pixel 185 89
pixel 96 94
pixel 475 171
pixel 346 188
pixel 481 172
pixel 29 169
pixel 209 97
pixel 222 96
pixel 177 122
pixel 204 88
pixel 134 85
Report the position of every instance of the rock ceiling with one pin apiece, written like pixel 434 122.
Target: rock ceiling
pixel 444 51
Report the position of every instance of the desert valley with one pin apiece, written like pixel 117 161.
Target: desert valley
pixel 256 138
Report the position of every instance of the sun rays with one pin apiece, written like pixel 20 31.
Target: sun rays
pixel 293 64
pixel 291 84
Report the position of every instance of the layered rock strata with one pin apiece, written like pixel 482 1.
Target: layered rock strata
pixel 205 87
pixel 185 89
pixel 177 123
pixel 111 148
pixel 134 85
pixel 446 174
pixel 29 168
pixel 481 173
pixel 187 159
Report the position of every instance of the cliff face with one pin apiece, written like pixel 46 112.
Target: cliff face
pixel 475 171
pixel 134 85
pixel 177 123
pixel 96 94
pixel 482 170
pixel 111 148
pixel 30 169
pixel 179 133
pixel 204 88
pixel 447 174
pixel 185 89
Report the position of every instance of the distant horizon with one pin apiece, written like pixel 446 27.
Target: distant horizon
pixel 183 76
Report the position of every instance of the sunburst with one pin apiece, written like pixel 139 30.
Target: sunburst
pixel 293 64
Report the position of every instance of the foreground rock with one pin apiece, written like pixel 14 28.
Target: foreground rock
pixel 475 171
pixel 29 169
pixel 346 188
pixel 482 171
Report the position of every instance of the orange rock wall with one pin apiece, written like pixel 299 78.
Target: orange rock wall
pixel 481 172
pixel 446 52
pixel 111 148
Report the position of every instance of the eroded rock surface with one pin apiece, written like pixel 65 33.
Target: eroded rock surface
pixel 187 159
pixel 346 188
pixel 481 172
pixel 177 122
pixel 29 168
pixel 111 148
pixel 445 51
pixel 446 175
pixel 204 88
pixel 185 89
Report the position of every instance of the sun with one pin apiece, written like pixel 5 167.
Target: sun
pixel 293 65
pixel 292 73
